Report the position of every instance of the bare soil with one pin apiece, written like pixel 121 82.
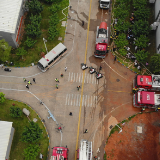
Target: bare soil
pixel 130 145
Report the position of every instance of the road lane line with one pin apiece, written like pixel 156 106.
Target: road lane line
pixel 66 99
pixel 69 77
pixel 77 77
pixel 75 100
pixel 91 102
pixel 80 108
pixel 86 101
pixel 71 99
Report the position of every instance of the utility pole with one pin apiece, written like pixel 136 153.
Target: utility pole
pixel 45 44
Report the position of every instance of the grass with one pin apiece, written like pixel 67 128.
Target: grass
pixel 34 54
pixel 105 156
pixel 18 147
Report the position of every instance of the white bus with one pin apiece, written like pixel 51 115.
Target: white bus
pixel 51 57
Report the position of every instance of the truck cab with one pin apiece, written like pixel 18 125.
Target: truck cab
pixel 104 4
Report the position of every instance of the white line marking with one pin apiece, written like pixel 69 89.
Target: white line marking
pixel 87 78
pixel 77 100
pixel 82 78
pixel 88 101
pixel 97 81
pixel 66 99
pixel 77 77
pixel 74 99
pixel 90 79
pixel 113 70
pixel 69 77
pixel 71 99
pixel 91 102
pixel 74 77
pixel 93 80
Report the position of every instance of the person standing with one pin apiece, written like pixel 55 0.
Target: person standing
pixel 115 58
pixel 29 82
pixel 57 86
pixel 24 79
pixel 82 23
pixel 65 69
pixel 86 131
pixel 34 80
pixel 100 68
pixel 27 86
pixel 70 113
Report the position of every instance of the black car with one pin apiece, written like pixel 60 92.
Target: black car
pixel 7 69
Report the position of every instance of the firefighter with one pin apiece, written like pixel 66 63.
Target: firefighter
pixel 57 86
pixel 135 90
pixel 143 109
pixel 29 82
pixel 61 75
pixel 107 49
pixel 24 79
pixel 56 80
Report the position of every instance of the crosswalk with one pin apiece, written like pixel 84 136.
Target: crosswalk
pixel 75 100
pixel 78 77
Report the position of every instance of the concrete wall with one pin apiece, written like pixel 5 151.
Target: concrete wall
pixel 157 8
pixel 10 143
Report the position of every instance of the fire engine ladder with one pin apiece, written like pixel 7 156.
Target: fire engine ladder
pixel 85 150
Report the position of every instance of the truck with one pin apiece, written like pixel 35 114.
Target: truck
pixel 147 82
pixel 60 153
pixel 146 99
pixel 101 40
pixel 104 4
pixel 85 150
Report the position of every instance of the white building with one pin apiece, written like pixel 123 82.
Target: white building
pixel 6 137
pixel 11 18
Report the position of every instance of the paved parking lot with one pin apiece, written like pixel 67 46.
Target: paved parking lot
pixel 100 104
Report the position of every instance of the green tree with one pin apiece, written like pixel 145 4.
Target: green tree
pixel 51 1
pixel 5 50
pixel 21 52
pixel 55 8
pixel 31 133
pixel 2 98
pixel 121 41
pixel 142 41
pixel 33 29
pixel 141 55
pixel 142 13
pixel 141 27
pixel 122 25
pixel 30 42
pixel 31 152
pixel 155 63
pixel 35 6
pixel 15 111
pixel 138 3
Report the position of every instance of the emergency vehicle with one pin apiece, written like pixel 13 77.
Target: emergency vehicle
pixel 60 153
pixel 101 40
pixel 148 82
pixel 146 99
pixel 105 4
pixel 85 150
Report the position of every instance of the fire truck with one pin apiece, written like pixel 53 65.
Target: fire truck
pixel 146 99
pixel 101 40
pixel 105 4
pixel 148 82
pixel 85 150
pixel 60 153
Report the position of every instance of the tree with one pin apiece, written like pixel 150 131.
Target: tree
pixel 31 133
pixel 31 152
pixel 21 52
pixel 33 29
pixel 30 42
pixel 2 98
pixel 121 41
pixel 5 50
pixel 54 8
pixel 142 13
pixel 15 112
pixel 35 6
pixel 51 1
pixel 141 55
pixel 142 41
pixel 138 3
pixel 155 63
pixel 122 25
pixel 141 27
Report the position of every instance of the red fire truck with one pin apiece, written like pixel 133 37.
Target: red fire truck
pixel 101 40
pixel 146 99
pixel 60 153
pixel 148 82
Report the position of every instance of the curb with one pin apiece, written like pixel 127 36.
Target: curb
pixel 39 118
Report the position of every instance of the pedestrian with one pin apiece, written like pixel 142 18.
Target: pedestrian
pixel 78 88
pixel 147 64
pixel 56 80
pixel 82 23
pixel 86 131
pixel 27 86
pixel 24 79
pixel 115 58
pixel 57 86
pixel 135 63
pixel 29 82
pixel 107 49
pixel 114 49
pixel 65 69
pixel 34 80
pixel 61 75
pixel 100 68
pixel 139 67
pixel 70 113
pixel 95 157
pixel 143 109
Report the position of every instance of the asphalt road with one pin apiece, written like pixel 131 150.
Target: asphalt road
pixel 97 105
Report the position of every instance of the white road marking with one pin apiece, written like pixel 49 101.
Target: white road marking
pixel 66 99
pixel 77 101
pixel 74 77
pixel 82 78
pixel 88 101
pixel 74 99
pixel 77 77
pixel 90 79
pixel 91 102
pixel 69 77
pixel 71 99
pixel 87 78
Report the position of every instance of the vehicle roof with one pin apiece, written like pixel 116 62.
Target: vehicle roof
pixel 62 153
pixel 101 47
pixel 147 97
pixel 156 80
pixel 105 0
pixel 144 80
pixel 103 25
pixel 52 54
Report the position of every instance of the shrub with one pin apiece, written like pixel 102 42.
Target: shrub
pixel 122 25
pixel 141 55
pixel 54 8
pixel 2 98
pixel 142 41
pixel 30 42
pixel 15 112
pixel 52 1
pixel 121 41
pixel 138 3
pixel 31 133
pixel 155 63
pixel 21 52
pixel 142 13
pixel 31 152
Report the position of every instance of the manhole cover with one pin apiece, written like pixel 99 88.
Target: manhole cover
pixel 117 80
pixel 111 127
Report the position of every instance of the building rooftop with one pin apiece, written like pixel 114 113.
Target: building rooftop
pixel 5 131
pixel 9 13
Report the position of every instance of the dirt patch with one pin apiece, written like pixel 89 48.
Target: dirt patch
pixel 130 145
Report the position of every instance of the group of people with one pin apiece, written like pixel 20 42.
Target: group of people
pixel 29 82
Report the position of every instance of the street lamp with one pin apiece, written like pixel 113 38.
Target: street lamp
pixel 45 43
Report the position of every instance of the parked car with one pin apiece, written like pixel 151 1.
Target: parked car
pixel 7 69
